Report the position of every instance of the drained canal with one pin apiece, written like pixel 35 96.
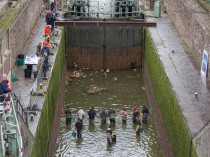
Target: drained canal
pixel 122 88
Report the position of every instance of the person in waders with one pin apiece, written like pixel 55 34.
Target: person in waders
pixel 103 116
pixel 138 126
pixel 135 115
pixel 81 114
pixel 124 115
pixel 109 135
pixel 112 115
pixel 68 115
pixel 78 126
pixel 91 114
pixel 145 112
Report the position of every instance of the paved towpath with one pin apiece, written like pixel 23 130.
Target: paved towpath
pixel 183 74
pixel 23 86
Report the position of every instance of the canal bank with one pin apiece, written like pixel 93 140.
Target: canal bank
pixel 41 150
pixel 175 77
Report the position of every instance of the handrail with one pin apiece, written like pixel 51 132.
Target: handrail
pixel 19 138
pixel 19 109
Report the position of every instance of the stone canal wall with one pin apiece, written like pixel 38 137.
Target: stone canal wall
pixel 50 108
pixel 21 28
pixel 178 132
pixel 202 141
pixel 192 22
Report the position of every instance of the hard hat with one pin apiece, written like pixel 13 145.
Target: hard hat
pixel 48 37
pixel 49 26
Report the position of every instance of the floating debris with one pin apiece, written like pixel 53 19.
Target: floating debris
pixel 115 79
pixel 94 90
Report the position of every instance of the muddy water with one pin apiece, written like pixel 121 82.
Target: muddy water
pixel 122 89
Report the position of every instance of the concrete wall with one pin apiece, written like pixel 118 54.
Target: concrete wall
pixel 192 22
pixel 21 29
pixel 202 141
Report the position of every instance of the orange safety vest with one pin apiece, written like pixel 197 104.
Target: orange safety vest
pixel 46 43
pixel 47 30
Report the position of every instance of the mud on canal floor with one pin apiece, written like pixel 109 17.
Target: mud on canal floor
pixel 123 88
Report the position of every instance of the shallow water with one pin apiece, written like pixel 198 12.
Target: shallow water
pixel 124 88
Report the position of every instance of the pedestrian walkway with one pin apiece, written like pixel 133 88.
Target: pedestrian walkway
pixel 183 74
pixel 23 87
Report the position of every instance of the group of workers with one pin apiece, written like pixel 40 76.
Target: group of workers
pixel 108 116
pixel 43 49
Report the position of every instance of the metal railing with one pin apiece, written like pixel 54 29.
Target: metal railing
pixel 19 109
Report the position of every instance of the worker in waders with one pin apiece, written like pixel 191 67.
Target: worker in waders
pixel 145 112
pixel 135 115
pixel 138 126
pixel 112 115
pixel 81 114
pixel 91 114
pixel 124 115
pixel 103 116
pixel 78 126
pixel 109 135
pixel 68 115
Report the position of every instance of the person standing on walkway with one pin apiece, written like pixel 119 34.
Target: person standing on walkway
pixel 38 49
pixel 46 46
pixel 145 112
pixel 81 114
pixel 124 115
pixel 91 114
pixel 47 30
pixel 68 115
pixel 45 64
pixel 78 126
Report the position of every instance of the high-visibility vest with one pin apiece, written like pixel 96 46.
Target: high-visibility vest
pixel 46 43
pixel 47 30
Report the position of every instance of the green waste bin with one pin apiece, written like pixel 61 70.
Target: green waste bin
pixel 35 74
pixel 157 9
pixel 20 61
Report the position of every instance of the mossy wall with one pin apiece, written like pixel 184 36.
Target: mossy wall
pixel 179 135
pixel 43 132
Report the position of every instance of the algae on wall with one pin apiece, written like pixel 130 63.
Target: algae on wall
pixel 179 135
pixel 43 132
